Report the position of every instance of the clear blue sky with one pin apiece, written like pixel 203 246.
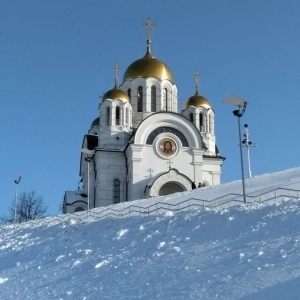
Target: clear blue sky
pixel 57 58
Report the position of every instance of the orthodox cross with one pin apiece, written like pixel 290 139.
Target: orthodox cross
pixel 149 26
pixel 197 75
pixel 150 172
pixel 117 69
pixel 169 163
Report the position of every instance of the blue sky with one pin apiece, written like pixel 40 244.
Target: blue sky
pixel 57 58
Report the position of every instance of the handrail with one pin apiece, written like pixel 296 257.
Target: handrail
pixel 232 199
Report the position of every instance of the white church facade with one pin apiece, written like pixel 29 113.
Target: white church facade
pixel 140 146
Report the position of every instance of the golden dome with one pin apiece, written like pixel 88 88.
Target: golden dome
pixel 148 66
pixel 116 94
pixel 197 101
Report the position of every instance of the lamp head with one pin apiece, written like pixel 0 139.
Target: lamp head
pixel 17 178
pixel 236 112
pixel 236 101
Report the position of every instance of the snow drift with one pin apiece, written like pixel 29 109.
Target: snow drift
pixel 242 252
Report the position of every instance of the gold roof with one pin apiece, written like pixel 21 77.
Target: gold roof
pixel 148 66
pixel 116 94
pixel 197 101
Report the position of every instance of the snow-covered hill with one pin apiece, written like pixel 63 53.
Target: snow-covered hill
pixel 242 252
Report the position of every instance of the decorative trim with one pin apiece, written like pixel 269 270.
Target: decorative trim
pixel 166 129
pixel 172 176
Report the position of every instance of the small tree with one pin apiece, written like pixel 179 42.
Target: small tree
pixel 29 207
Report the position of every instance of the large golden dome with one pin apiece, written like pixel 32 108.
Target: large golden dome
pixel 197 101
pixel 148 66
pixel 116 94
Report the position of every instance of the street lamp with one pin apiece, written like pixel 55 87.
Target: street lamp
pixel 90 154
pixel 16 181
pixel 247 143
pixel 241 104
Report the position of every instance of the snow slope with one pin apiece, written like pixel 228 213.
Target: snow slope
pixel 242 252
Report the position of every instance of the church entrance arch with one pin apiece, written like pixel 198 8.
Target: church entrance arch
pixel 169 183
pixel 171 188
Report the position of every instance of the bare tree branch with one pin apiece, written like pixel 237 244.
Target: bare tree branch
pixel 29 207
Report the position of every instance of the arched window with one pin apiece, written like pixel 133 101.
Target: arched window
pixel 211 124
pixel 201 122
pixel 140 99
pixel 151 137
pixel 107 116
pixel 127 117
pixel 153 98
pixel 116 191
pixel 192 117
pixel 129 93
pixel 79 208
pixel 165 99
pixel 117 115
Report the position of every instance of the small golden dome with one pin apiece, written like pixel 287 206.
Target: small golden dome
pixel 116 94
pixel 197 101
pixel 148 66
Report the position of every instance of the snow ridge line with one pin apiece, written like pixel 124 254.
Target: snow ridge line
pixel 159 207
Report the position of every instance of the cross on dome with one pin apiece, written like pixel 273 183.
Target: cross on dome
pixel 149 26
pixel 117 69
pixel 197 76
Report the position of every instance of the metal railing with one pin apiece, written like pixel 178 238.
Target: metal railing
pixel 158 208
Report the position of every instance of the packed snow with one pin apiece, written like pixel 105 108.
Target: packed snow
pixel 246 251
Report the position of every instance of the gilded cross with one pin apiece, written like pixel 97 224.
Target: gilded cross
pixel 117 69
pixel 149 26
pixel 197 76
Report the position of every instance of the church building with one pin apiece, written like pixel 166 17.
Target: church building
pixel 141 146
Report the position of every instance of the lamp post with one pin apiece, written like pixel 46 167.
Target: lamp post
pixel 16 181
pixel 247 143
pixel 90 154
pixel 241 104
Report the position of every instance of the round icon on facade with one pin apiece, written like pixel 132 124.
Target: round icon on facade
pixel 167 147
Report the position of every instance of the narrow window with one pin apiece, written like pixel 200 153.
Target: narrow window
pixel 127 117
pixel 165 99
pixel 201 122
pixel 129 93
pixel 140 99
pixel 211 124
pixel 108 116
pixel 116 191
pixel 117 115
pixel 192 117
pixel 153 98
